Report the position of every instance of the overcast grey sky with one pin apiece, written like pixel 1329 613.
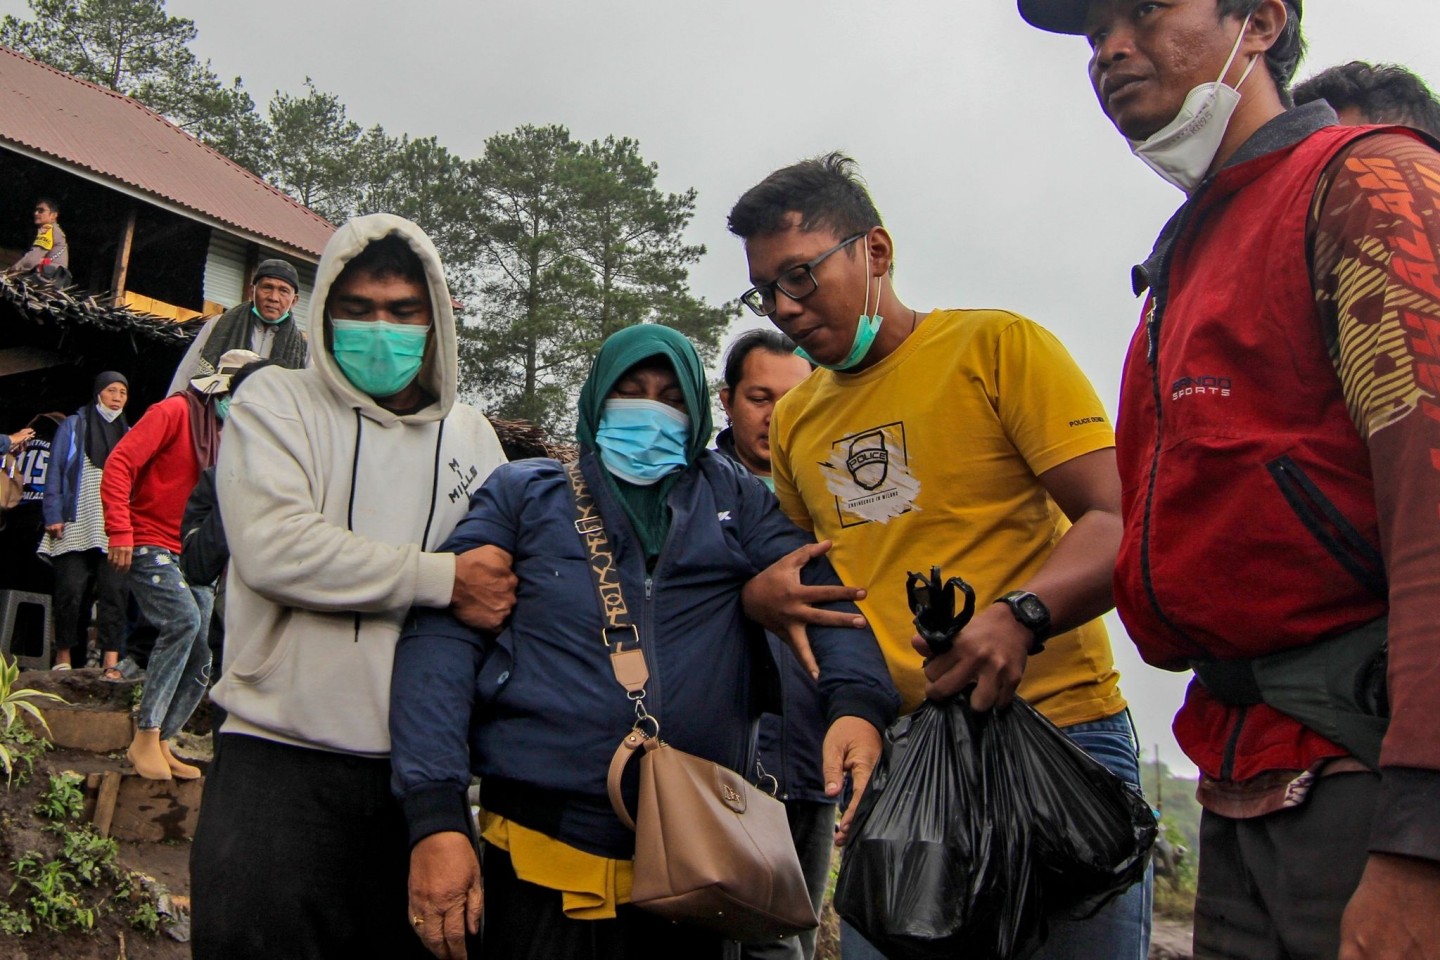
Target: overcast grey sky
pixel 996 172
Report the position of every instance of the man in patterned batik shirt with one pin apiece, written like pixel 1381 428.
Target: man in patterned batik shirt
pixel 1279 450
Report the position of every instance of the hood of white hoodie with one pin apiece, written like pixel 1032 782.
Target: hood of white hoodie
pixel 439 373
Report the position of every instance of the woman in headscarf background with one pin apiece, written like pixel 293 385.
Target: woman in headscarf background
pixel 538 707
pixel 75 538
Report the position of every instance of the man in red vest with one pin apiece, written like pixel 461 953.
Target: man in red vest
pixel 1279 451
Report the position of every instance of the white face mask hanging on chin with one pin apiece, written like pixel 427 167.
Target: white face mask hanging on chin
pixel 1182 151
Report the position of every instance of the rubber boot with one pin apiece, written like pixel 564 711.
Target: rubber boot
pixel 179 769
pixel 146 755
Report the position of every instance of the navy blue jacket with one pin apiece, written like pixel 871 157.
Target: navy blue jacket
pixel 60 502
pixel 791 741
pixel 540 703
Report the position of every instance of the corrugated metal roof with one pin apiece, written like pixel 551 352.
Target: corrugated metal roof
pixel 47 112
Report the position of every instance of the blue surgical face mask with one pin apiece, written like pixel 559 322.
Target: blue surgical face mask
pixel 379 357
pixel 641 441
pixel 866 329
pixel 222 407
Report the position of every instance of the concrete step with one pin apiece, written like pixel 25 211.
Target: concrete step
pixel 122 804
pixel 95 716
pixel 84 727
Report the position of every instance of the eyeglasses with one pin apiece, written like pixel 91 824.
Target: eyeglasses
pixel 797 283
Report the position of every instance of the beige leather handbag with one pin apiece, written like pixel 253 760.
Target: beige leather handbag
pixel 710 848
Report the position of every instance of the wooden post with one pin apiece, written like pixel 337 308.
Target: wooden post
pixel 252 260
pixel 122 256
pixel 1159 784
pixel 105 802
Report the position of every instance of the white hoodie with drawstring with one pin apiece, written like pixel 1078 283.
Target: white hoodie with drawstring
pixel 331 506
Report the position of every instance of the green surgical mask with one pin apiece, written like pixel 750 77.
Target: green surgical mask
pixel 269 323
pixel 867 328
pixel 378 357
pixel 222 407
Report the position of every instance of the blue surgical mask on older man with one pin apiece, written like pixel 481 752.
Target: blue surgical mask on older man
pixel 642 441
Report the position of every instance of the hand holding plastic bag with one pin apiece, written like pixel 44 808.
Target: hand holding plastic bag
pixel 978 829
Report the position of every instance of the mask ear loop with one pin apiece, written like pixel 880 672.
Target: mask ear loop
pixel 1251 66
pixel 880 290
pixel 1234 52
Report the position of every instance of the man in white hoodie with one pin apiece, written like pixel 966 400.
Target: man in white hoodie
pixel 336 484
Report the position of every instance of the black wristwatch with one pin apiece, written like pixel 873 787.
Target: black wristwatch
pixel 1032 613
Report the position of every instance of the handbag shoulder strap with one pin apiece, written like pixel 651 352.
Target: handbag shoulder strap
pixel 628 662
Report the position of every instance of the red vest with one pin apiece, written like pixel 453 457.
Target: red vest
pixel 1248 503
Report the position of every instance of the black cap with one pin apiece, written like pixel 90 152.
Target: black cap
pixel 280 270
pixel 1068 16
pixel 108 377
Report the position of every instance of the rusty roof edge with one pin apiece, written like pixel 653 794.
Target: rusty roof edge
pixel 116 94
pixel 137 191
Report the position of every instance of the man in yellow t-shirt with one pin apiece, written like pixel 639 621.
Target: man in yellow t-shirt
pixel 967 439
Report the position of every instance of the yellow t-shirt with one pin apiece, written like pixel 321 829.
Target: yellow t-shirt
pixel 931 457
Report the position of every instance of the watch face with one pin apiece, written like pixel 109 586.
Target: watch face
pixel 1033 609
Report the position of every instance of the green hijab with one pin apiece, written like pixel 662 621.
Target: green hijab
pixel 646 506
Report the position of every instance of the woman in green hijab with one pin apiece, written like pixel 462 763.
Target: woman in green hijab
pixel 536 711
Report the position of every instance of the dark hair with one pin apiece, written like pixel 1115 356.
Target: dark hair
pixel 1285 53
pixel 51 203
pixel 826 191
pixel 390 256
pixel 1382 92
pixel 244 372
pixel 761 338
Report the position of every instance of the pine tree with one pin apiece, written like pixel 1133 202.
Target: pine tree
pixel 578 243
pixel 135 48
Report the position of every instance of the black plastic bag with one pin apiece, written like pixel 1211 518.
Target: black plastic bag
pixel 979 829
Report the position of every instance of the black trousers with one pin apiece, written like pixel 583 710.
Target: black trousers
pixel 83 578
pixel 526 922
pixel 299 853
pixel 1275 887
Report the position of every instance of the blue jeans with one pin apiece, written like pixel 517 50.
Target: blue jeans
pixel 1121 931
pixel 180 663
pixel 812 826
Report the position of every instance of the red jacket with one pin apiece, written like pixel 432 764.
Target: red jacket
pixel 149 476
pixel 1249 511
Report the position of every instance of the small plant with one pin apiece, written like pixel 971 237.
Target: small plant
pixel 153 906
pixel 52 898
pixel 63 799
pixel 13 703
pixel 15 923
pixel 24 748
pixel 145 917
pixel 136 693
pixel 91 855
